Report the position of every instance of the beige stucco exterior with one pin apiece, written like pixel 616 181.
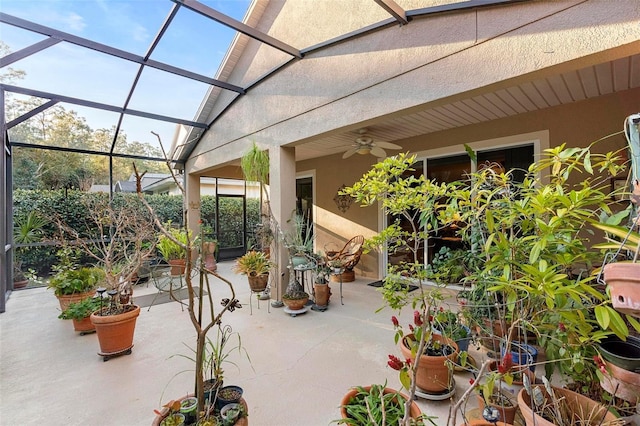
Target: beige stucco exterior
pixel 392 72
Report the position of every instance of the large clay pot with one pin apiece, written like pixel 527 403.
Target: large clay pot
pixel 258 282
pixel 177 266
pixel 20 284
pixel 622 383
pixel 623 279
pixel 491 333
pixel 322 293
pixel 66 300
pixel 433 375
pixel 115 332
pixel 295 304
pixel 414 411
pixel 83 326
pixel 577 404
pixel 507 412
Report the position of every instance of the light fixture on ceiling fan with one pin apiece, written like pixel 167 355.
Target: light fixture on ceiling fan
pixel 365 144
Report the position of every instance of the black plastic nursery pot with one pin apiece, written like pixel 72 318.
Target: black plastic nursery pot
pixel 624 354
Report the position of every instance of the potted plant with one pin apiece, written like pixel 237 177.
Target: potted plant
pixel 299 240
pixel 230 413
pixel 622 272
pixel 376 404
pixel 204 314
pixel 491 394
pixel 294 296
pixel 171 247
pixel 210 252
pixel 80 312
pixel 547 405
pixel 26 230
pixel 118 248
pixel 256 266
pixel 321 289
pixel 417 200
pixel 448 266
pixel 74 285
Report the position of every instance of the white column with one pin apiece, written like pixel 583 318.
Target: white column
pixel 282 185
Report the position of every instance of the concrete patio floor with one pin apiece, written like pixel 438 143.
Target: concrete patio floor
pixel 300 367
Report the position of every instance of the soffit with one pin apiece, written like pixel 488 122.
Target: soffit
pixel 533 95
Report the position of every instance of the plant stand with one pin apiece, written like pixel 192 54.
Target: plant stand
pixel 295 312
pixel 259 296
pixel 437 396
pixel 107 356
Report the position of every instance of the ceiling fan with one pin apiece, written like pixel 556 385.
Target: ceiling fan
pixel 364 144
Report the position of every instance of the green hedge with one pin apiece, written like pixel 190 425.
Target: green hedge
pixel 69 206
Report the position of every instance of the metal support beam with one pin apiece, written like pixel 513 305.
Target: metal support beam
pixel 103 48
pixel 28 115
pixel 6 219
pixel 28 51
pixel 394 10
pixel 459 6
pixel 154 43
pixel 97 105
pixel 239 26
pixel 88 151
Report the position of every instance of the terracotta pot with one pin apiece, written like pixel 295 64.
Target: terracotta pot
pixel 623 279
pixel 433 375
pixel 295 304
pixel 84 325
pixel 322 293
pixel 577 404
pixel 258 282
pixel 177 266
pixel 414 411
pixel 627 383
pixel 491 333
pixel 348 276
pixel 20 284
pixel 115 332
pixel 66 300
pixel 507 413
pixel 244 421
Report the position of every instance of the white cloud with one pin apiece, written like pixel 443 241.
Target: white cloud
pixel 73 22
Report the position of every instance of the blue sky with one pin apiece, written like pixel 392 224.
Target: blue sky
pixel 193 42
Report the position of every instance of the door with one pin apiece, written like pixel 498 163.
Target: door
pixel 232 226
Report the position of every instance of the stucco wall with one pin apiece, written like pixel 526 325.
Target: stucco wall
pixel 577 125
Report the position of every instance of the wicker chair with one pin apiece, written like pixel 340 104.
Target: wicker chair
pixel 349 257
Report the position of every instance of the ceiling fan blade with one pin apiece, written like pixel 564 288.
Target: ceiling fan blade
pixel 388 145
pixel 350 152
pixel 378 152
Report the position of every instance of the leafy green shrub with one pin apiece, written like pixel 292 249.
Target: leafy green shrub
pixel 76 281
pixel 82 309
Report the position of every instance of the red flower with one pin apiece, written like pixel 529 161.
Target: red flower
pixel 471 381
pixel 408 361
pixel 561 327
pixel 411 328
pixel 441 309
pixel 394 320
pixel 395 363
pixel 506 363
pixel 417 319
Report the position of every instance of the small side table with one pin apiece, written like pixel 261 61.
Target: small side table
pixel 300 273
pixel 338 273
